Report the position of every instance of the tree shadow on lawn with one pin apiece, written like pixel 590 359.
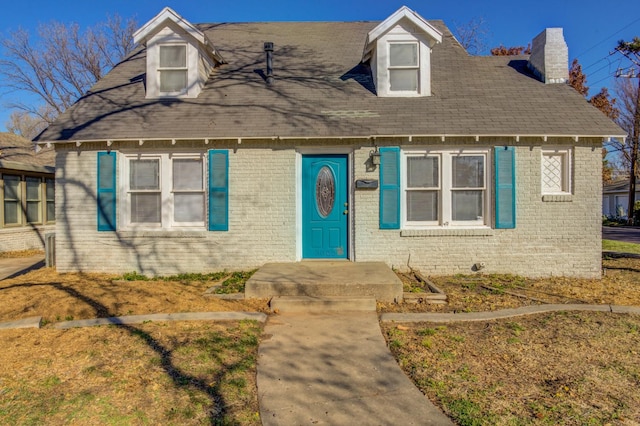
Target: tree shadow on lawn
pixel 181 379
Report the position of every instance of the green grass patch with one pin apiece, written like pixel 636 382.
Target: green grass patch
pixel 620 246
pixel 235 283
pixel 134 276
pixel 466 412
pixel 213 276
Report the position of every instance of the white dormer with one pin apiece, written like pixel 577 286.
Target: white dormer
pixel 179 56
pixel 399 50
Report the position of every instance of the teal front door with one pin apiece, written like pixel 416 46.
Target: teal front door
pixel 325 207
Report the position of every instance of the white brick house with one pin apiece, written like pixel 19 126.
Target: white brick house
pixel 360 141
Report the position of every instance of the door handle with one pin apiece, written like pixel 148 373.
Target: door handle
pixel 345 212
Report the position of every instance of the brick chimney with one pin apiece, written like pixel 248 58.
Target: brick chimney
pixel 549 58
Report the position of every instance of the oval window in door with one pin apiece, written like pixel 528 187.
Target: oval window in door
pixel 325 191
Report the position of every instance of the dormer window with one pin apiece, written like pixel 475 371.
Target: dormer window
pixel 404 67
pixel 172 69
pixel 180 57
pixel 399 53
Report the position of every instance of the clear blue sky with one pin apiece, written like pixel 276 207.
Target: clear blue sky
pixel 591 27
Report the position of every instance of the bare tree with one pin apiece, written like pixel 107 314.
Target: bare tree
pixel 27 125
pixel 629 94
pixel 473 35
pixel 62 62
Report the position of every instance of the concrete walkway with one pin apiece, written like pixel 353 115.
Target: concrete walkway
pixel 335 369
pixel 315 278
pixel 19 265
pixel 184 316
pixel 505 313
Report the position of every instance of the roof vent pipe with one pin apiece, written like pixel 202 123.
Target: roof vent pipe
pixel 268 48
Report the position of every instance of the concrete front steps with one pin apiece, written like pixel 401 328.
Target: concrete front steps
pixel 283 304
pixel 326 285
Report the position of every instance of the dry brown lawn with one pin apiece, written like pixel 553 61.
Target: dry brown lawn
pixel 59 297
pixel 569 368
pixel 560 368
pixel 177 373
pixel 620 285
pixel 154 373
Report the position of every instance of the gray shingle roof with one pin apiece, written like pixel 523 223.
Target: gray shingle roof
pixel 322 90
pixel 19 153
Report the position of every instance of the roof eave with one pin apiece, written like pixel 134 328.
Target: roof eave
pixel 14 165
pixel 143 33
pixel 409 137
pixel 403 13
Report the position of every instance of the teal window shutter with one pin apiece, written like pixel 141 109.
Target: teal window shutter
pixel 218 190
pixel 390 188
pixel 106 191
pixel 505 187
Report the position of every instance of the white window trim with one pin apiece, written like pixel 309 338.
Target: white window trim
pixel 185 69
pixel 567 187
pixel 381 61
pixel 166 192
pixel 445 220
pixel 399 67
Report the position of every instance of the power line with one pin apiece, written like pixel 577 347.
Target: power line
pixel 598 44
pixel 600 60
pixel 607 65
pixel 602 79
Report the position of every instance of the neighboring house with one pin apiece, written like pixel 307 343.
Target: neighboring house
pixel 615 199
pixel 366 141
pixel 27 189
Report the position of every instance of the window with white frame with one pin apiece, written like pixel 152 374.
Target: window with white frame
pixel 404 67
pixel 172 69
pixel 445 188
pixel 164 190
pixel 556 171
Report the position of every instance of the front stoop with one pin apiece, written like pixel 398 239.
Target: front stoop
pixel 321 279
pixel 283 304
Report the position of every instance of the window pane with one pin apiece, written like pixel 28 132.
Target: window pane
pixel 187 174
pixel 173 81
pixel 11 213
pixel 173 56
pixel 145 208
pixel 144 174
pixel 33 211
pixel 468 171
pixel 33 188
pixel 11 187
pixel 467 205
pixel 188 208
pixel 51 211
pixel 51 189
pixel 552 173
pixel 406 80
pixel 422 206
pixel 423 172
pixel 403 55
